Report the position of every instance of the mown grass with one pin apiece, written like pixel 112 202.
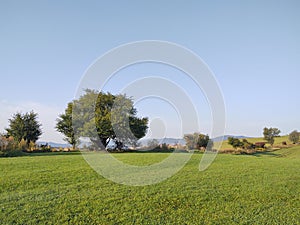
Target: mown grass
pixel 236 189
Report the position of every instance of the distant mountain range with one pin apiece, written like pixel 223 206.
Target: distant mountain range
pixel 144 142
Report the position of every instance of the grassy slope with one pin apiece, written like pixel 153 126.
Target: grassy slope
pixel 63 189
pixel 278 141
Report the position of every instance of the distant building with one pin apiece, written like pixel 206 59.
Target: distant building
pixel 260 144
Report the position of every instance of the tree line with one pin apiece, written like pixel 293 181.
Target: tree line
pixel 104 118
pixel 101 117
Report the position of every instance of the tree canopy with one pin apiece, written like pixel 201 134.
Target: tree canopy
pixel 103 117
pixel 196 140
pixel 294 136
pixel 270 134
pixel 64 126
pixel 24 127
pixel 235 142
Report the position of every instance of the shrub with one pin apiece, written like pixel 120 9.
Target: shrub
pixel 294 137
pixel 12 153
pixel 22 145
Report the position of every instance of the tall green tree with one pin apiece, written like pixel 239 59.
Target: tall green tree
pixel 191 140
pixel 203 141
pixel 24 126
pixel 270 134
pixel 294 136
pixel 104 117
pixel 64 126
pixel 196 140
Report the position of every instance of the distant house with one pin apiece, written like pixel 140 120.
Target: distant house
pixel 260 144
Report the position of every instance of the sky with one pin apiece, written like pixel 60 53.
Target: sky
pixel 252 48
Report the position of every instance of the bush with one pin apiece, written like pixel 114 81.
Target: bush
pixel 294 137
pixel 12 153
pixel 22 145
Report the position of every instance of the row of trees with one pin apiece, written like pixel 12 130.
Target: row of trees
pixel 101 117
pixel 104 117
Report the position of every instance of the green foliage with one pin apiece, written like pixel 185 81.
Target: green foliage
pixel 24 126
pixel 50 189
pixel 202 141
pixel 294 137
pixel 247 144
pixel 12 153
pixel 16 127
pixel 235 142
pixel 191 140
pixel 64 126
pixel 270 133
pixel 196 140
pixel 103 117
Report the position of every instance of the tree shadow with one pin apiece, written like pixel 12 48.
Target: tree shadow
pixel 33 154
pixel 260 154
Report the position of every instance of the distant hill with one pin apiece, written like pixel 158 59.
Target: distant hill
pixel 225 138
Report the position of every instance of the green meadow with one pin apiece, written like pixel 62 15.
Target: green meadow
pixel 61 188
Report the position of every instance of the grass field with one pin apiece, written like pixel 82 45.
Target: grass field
pixel 236 189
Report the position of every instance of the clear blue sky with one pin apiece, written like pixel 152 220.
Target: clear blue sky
pixel 252 47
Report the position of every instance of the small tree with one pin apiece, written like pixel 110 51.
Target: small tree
pixel 196 140
pixel 64 126
pixel 294 136
pixel 16 127
pixel 202 141
pixel 235 142
pixel 191 140
pixel 24 126
pixel 270 134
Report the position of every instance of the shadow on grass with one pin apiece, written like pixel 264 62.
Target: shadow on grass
pixel 33 154
pixel 267 153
